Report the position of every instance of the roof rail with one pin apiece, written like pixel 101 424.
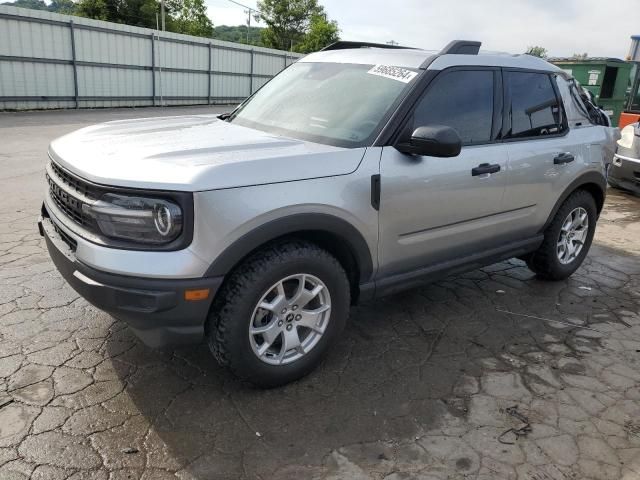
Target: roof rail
pixel 461 47
pixel 343 44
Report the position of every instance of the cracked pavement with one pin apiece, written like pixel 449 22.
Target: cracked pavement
pixel 420 386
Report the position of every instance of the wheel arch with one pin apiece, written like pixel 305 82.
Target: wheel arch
pixel 593 182
pixel 337 236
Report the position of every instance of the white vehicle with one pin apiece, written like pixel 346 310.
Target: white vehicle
pixel 356 172
pixel 625 171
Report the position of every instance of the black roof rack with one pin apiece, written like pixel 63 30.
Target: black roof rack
pixel 343 44
pixel 457 47
pixel 461 47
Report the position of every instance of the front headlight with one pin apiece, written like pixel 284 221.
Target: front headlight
pixel 139 219
pixel 626 137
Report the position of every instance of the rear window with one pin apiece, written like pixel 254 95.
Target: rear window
pixel 535 110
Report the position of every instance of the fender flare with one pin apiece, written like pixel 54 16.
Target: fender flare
pixel 592 179
pixel 291 224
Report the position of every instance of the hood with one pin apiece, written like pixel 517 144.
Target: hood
pixel 194 153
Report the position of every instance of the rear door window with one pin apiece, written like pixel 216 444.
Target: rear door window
pixel 534 108
pixel 461 99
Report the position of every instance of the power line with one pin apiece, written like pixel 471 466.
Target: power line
pixel 244 6
pixel 249 11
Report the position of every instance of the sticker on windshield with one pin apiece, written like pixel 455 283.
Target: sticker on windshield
pixel 395 73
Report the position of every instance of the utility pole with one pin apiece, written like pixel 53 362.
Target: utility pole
pixel 159 61
pixel 392 42
pixel 248 24
pixel 250 11
pixel 162 14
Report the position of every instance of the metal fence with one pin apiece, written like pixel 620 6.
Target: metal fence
pixel 49 60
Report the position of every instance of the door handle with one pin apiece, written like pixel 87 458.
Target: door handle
pixel 485 168
pixel 563 158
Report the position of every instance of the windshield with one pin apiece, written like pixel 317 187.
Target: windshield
pixel 337 104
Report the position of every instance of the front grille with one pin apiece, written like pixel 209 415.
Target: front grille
pixel 71 243
pixel 84 188
pixel 70 193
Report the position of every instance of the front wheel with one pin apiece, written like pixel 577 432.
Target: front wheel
pixel 278 313
pixel 567 239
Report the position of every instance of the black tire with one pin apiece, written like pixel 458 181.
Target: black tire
pixel 544 261
pixel 227 327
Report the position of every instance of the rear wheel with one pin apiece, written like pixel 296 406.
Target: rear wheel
pixel 278 313
pixel 567 239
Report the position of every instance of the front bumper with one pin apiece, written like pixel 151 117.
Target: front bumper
pixel 625 173
pixel 155 309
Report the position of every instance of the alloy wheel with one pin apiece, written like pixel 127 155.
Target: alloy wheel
pixel 290 319
pixel 573 235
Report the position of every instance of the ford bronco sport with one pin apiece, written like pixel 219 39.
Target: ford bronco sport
pixel 356 172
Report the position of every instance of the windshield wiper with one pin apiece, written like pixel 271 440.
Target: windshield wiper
pixel 224 116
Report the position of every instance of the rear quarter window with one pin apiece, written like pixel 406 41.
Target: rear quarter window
pixel 534 108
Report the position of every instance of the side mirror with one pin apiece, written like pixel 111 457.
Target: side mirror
pixel 432 141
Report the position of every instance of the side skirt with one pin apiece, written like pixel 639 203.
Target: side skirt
pixel 403 281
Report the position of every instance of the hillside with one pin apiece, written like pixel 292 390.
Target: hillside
pixel 238 34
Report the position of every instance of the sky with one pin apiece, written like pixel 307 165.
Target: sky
pixel 563 27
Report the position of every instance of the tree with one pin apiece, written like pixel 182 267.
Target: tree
pixel 190 17
pixel 580 56
pixel 32 4
pixel 321 33
pixel 537 51
pixel 96 9
pixel 238 34
pixel 140 13
pixel 182 16
pixel 289 22
pixel 67 7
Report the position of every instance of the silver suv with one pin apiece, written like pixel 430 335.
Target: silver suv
pixel 359 171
